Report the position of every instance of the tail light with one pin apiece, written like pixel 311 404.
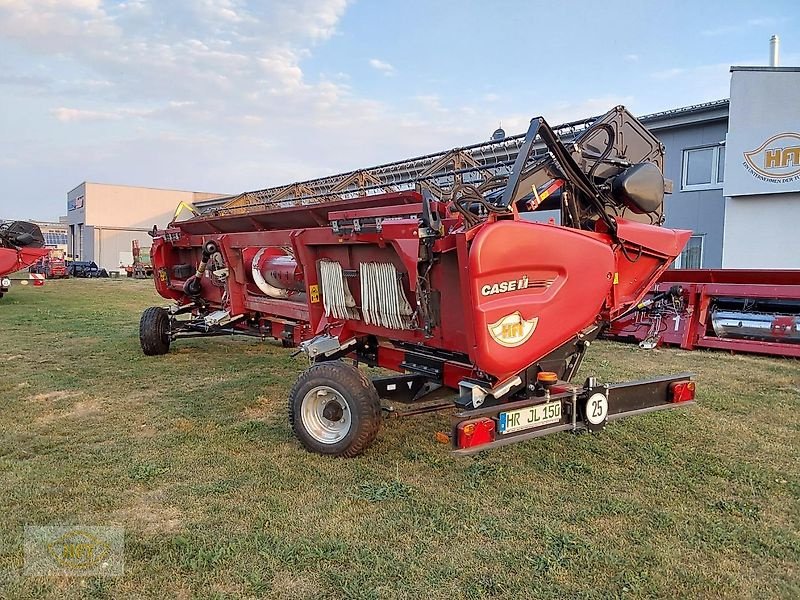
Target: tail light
pixel 682 391
pixel 475 432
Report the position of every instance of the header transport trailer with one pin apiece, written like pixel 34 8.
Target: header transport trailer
pixel 452 287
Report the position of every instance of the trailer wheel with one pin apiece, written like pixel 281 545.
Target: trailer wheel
pixel 334 409
pixel 154 331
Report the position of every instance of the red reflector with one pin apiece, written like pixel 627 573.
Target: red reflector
pixel 475 432
pixel 682 391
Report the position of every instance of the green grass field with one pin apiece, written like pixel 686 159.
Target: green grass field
pixel 192 454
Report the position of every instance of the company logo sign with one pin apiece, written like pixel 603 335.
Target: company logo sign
pixel 512 330
pixel 777 160
pixel 75 203
pixel 512 285
pixel 78 550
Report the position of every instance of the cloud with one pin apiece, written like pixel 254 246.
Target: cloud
pixel 631 58
pixel 383 67
pixel 743 26
pixel 670 73
pixel 66 115
pixel 211 95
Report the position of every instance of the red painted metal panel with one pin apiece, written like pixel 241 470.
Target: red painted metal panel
pixel 701 289
pixel 13 260
pixel 567 275
pixel 749 346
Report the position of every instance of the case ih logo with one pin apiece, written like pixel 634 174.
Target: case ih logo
pixel 512 330
pixel 513 285
pixel 777 160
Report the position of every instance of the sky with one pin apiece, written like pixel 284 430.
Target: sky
pixel 229 95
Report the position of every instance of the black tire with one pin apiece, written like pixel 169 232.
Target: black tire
pixel 154 329
pixel 363 406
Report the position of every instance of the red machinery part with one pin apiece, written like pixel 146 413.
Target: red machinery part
pixel 13 259
pixel 274 272
pixel 750 311
pixel 682 391
pixel 475 433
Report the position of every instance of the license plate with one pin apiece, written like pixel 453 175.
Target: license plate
pixel 527 418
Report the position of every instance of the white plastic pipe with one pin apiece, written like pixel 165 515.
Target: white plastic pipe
pixel 774 51
pixel 261 283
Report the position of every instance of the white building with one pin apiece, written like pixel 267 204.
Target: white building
pixel 762 170
pixel 103 219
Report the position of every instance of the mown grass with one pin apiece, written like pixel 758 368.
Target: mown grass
pixel 192 454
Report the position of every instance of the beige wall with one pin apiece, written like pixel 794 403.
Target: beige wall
pixel 112 247
pixel 112 216
pixel 134 207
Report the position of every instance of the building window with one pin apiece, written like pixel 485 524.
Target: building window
pixel 703 168
pixel 692 255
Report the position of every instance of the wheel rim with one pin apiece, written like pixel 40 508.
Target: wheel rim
pixel 326 415
pixel 164 330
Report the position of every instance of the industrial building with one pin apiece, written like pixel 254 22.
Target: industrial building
pixel 55 234
pixel 735 165
pixel 104 219
pixel 762 169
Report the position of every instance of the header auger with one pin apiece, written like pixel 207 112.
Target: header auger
pixel 442 276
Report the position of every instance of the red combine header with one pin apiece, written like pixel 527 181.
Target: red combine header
pixel 21 245
pixel 740 310
pixel 451 285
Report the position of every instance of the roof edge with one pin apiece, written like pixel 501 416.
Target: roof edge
pixel 767 69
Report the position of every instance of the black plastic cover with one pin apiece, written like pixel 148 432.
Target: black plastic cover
pixel 21 234
pixel 640 188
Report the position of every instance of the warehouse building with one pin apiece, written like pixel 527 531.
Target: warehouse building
pixel 55 234
pixel 103 219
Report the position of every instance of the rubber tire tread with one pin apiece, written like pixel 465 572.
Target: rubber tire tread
pixel 150 326
pixel 361 395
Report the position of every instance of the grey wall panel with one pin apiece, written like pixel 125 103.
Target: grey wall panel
pixel 701 211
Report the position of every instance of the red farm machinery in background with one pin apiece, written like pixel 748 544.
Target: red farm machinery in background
pixel 141 267
pixel 446 282
pixel 726 309
pixel 53 265
pixel 21 245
